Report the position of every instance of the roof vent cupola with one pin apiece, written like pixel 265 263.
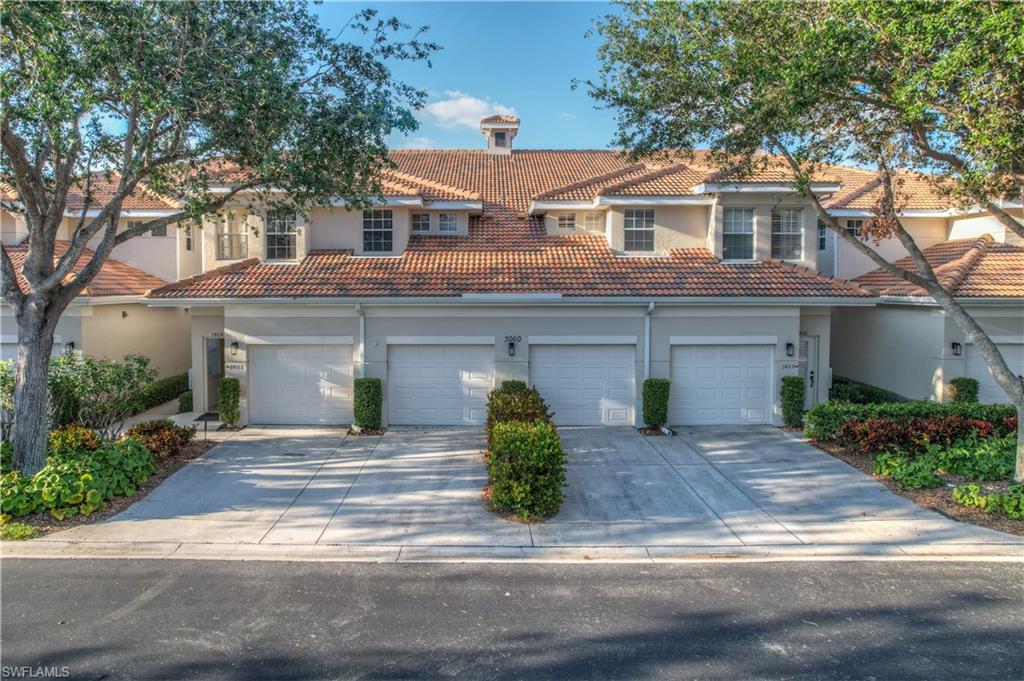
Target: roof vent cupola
pixel 499 130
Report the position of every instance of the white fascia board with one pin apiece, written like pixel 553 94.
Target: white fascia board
pixel 929 301
pixel 861 213
pixel 654 201
pixel 106 300
pixel 225 188
pixel 499 126
pixel 124 213
pixel 544 206
pixel 454 205
pixel 762 187
pixel 511 296
pixel 413 201
pixel 518 299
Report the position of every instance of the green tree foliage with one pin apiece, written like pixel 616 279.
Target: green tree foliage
pixel 169 93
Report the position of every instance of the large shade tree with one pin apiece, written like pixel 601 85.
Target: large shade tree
pixel 928 86
pixel 158 93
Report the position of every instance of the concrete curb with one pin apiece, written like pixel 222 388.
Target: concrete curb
pixel 366 553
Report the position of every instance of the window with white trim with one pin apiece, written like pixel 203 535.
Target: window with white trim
pixel 378 232
pixel 281 235
pixel 593 222
pixel 420 222
pixel 447 223
pixel 638 229
pixel 738 234
pixel 787 233
pixel 567 221
pixel 232 236
pixel 822 234
pixel 500 139
pixel 854 227
pixel 188 237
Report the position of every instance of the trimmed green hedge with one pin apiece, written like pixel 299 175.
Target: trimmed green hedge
pixel 163 390
pixel 227 400
pixel 511 385
pixel 185 402
pixel 824 418
pixel 793 398
pixel 655 398
pixel 963 389
pixel 526 467
pixel 516 404
pixel 366 403
pixel 848 390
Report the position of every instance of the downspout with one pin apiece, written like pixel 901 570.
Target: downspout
pixel 362 341
pixel 647 340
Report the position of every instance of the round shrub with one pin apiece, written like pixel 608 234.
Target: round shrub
pixel 366 403
pixel 526 468
pixel 963 389
pixel 227 400
pixel 793 398
pixel 185 402
pixel 655 399
pixel 512 385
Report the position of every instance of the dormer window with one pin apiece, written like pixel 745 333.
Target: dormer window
pixel 378 233
pixel 854 227
pixel 638 229
pixel 420 223
pixel 447 223
pixel 738 234
pixel 567 222
pixel 500 139
pixel 592 222
pixel 281 235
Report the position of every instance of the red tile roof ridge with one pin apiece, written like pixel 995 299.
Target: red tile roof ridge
pixel 952 273
pixel 612 174
pixel 646 177
pixel 114 277
pixel 959 269
pixel 195 278
pixel 860 191
pixel 415 179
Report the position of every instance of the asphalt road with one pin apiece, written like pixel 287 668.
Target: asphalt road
pixel 167 619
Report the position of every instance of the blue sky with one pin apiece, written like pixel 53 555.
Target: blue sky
pixel 500 57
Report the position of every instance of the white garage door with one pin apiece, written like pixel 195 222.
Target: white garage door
pixel 989 391
pixel 720 384
pixel 301 384
pixel 435 385
pixel 585 384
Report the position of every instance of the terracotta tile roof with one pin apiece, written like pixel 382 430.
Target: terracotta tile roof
pixel 102 189
pixel 862 191
pixel 969 268
pixel 115 278
pixel 673 180
pixel 430 190
pixel 501 118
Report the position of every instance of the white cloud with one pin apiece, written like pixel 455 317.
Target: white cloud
pixel 420 142
pixel 462 110
pixel 565 115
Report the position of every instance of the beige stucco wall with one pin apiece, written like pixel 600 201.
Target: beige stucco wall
pixel 252 324
pixel 1002 323
pixel 971 227
pixel 337 228
pixel 69 329
pixel 674 227
pixel 12 228
pixel 852 263
pixel 162 334
pixel 763 204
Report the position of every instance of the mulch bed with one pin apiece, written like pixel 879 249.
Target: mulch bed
pixel 938 499
pixel 376 432
pixel 646 430
pixel 45 523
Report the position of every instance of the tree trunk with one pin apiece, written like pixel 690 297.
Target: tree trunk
pixel 31 393
pixel 1018 471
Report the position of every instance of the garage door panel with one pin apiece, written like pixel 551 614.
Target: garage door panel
pixel 726 384
pixel 586 385
pixel 299 384
pixel 439 384
pixel 989 391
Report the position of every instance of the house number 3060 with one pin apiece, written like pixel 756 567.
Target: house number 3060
pixel 513 339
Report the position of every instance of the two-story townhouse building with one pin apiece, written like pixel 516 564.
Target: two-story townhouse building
pixel 108 319
pixel 578 271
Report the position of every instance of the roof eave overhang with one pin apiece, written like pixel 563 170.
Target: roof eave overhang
pixel 529 299
pixel 863 213
pixel 477 206
pixel 124 213
pixel 543 206
pixel 929 301
pixel 762 187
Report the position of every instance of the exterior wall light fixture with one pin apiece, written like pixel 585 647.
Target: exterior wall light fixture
pixel 957 349
pixel 234 349
pixel 790 349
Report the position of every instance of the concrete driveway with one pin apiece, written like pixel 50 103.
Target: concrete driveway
pixel 717 487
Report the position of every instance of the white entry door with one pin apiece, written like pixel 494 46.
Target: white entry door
pixel 300 384
pixel 720 385
pixel 586 384
pixel 439 385
pixel 989 391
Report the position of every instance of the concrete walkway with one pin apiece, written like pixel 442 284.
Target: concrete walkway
pixel 415 493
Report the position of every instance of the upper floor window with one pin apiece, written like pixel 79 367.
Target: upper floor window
pixel 156 231
pixel 592 221
pixel 448 222
pixel 567 221
pixel 787 233
pixel 854 227
pixel 188 237
pixel 500 139
pixel 232 235
pixel 378 236
pixel 281 235
pixel 638 229
pixel 738 234
pixel 421 222
pixel 822 233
